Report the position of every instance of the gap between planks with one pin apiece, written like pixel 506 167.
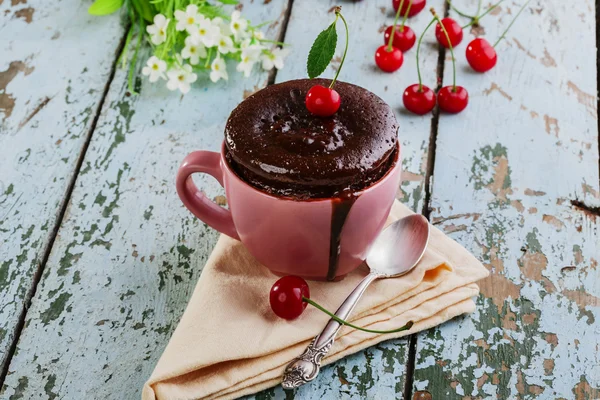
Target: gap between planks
pixel 426 211
pixel 598 79
pixel 61 213
pixel 281 38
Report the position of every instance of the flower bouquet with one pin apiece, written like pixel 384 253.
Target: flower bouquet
pixel 189 37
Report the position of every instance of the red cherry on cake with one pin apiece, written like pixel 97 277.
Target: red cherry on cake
pixel 455 33
pixel 389 60
pixel 481 55
pixel 416 7
pixel 453 99
pixel 322 101
pixel 404 37
pixel 417 100
pixel 286 297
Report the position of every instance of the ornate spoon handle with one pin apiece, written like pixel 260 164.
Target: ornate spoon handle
pixel 306 366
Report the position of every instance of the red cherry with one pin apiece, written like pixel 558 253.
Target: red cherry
pixel 286 297
pixel 404 37
pixel 453 100
pixel 418 101
pixel 455 33
pixel 389 61
pixel 322 101
pixel 416 7
pixel 481 55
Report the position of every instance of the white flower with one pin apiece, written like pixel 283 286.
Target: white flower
pixel 245 43
pixel 158 31
pixel 225 45
pixel 274 59
pixel 223 25
pixel 155 68
pixel 238 25
pixel 258 35
pixel 249 57
pixel 181 78
pixel 187 20
pixel 218 70
pixel 192 50
pixel 206 33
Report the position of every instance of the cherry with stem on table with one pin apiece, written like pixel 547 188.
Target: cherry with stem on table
pixel 325 101
pixel 450 35
pixel 403 37
pixel 290 295
pixel 418 98
pixel 481 55
pixel 451 99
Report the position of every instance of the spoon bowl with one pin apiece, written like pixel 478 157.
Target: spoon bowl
pixel 399 248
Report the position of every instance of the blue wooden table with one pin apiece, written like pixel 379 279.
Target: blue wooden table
pixel 98 257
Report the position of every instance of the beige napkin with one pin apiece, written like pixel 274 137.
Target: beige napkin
pixel 229 343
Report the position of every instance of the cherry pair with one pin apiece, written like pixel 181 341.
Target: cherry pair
pixel 419 99
pixel 480 54
pixel 398 38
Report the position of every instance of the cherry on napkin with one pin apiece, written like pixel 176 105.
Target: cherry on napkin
pixel 229 343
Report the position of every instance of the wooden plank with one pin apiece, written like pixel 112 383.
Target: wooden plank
pixel 128 254
pixel 510 173
pixel 52 80
pixel 377 372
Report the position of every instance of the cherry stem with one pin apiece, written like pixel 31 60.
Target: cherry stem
pixel 406 327
pixel 391 40
pixel 478 10
pixel 478 18
pixel 418 48
pixel 435 17
pixel 456 10
pixel 339 14
pixel 511 23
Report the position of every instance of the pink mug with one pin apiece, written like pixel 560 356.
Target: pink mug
pixel 288 236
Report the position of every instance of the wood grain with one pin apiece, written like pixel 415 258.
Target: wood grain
pixel 55 62
pixel 128 254
pixel 507 172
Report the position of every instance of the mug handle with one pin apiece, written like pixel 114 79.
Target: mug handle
pixel 215 216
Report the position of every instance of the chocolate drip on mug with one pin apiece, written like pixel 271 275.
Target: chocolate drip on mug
pixel 340 208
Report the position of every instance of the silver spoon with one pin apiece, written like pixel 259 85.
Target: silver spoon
pixel 395 252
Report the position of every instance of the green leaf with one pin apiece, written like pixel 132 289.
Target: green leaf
pixel 211 12
pixel 144 8
pixel 105 7
pixel 233 2
pixel 321 52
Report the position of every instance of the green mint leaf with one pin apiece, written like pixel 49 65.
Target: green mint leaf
pixel 105 7
pixel 233 2
pixel 321 52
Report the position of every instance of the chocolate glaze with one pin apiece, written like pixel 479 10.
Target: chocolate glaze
pixel 276 145
pixel 340 208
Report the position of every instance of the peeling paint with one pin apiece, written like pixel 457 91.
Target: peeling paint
pixel 7 101
pixel 586 99
pixel 25 13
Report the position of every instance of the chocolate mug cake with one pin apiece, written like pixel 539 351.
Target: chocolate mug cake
pixel 276 145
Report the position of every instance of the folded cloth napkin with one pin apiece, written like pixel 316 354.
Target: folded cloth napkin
pixel 229 343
